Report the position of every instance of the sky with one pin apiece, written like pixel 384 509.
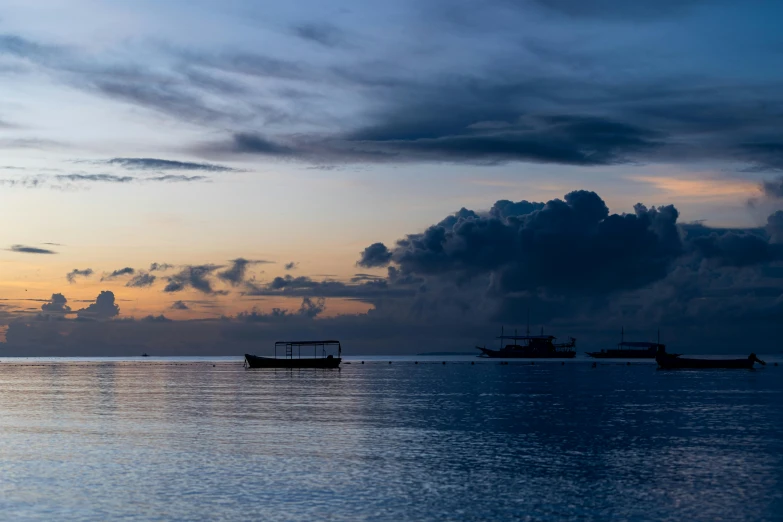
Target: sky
pixel 207 177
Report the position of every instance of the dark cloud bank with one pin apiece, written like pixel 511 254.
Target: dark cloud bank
pixel 578 268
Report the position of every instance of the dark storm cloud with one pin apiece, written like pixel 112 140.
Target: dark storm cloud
pixel 572 245
pixel 375 255
pixel 104 307
pixel 196 277
pixel 574 262
pixel 737 249
pixel 235 274
pixel 141 280
pixel 73 274
pixel 57 305
pixel 162 164
pixel 119 273
pixel 24 249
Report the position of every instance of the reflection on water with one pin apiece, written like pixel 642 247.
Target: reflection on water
pixel 189 440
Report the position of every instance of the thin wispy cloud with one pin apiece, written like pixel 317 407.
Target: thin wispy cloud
pixel 24 249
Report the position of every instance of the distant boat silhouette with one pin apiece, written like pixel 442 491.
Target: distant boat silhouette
pixel 630 349
pixel 531 347
pixel 145 354
pixel 672 361
pixel 289 361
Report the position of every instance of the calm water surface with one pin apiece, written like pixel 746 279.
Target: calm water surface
pixel 185 440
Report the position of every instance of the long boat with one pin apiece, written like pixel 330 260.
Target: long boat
pixel 530 347
pixel 295 360
pixel 671 361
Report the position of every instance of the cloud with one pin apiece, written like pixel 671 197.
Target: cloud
pixel 303 286
pixel 737 249
pixel 179 305
pixel 562 139
pixel 619 9
pixel 66 181
pixel 162 164
pixel 156 319
pixel 106 178
pixel 323 34
pixel 23 249
pixel 56 305
pixel 171 178
pixel 193 276
pixel 572 246
pixel 154 267
pixel 773 189
pixel 119 273
pixel 291 265
pixel 104 307
pixel 141 280
pixel 775 227
pixel 235 275
pixel 73 274
pixel 309 308
pixel 375 255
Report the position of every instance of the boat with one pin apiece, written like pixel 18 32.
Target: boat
pixel 145 354
pixel 530 347
pixel 295 360
pixel 673 361
pixel 630 349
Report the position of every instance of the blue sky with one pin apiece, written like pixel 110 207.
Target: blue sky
pixel 198 133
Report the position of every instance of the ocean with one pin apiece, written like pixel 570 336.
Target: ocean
pixel 471 439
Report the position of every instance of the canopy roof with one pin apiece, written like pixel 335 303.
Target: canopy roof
pixel 307 343
pixel 527 337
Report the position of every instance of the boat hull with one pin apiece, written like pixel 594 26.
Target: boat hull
pixel 523 353
pixel 671 362
pixel 254 361
pixel 623 354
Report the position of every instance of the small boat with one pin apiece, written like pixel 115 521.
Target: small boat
pixel 630 349
pixel 291 361
pixel 530 347
pixel 145 354
pixel 672 361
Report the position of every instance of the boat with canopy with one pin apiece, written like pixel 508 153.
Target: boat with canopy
pixel 630 349
pixel 292 357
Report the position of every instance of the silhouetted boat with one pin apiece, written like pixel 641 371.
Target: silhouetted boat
pixel 531 347
pixel 672 361
pixel 630 349
pixel 144 354
pixel 289 361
